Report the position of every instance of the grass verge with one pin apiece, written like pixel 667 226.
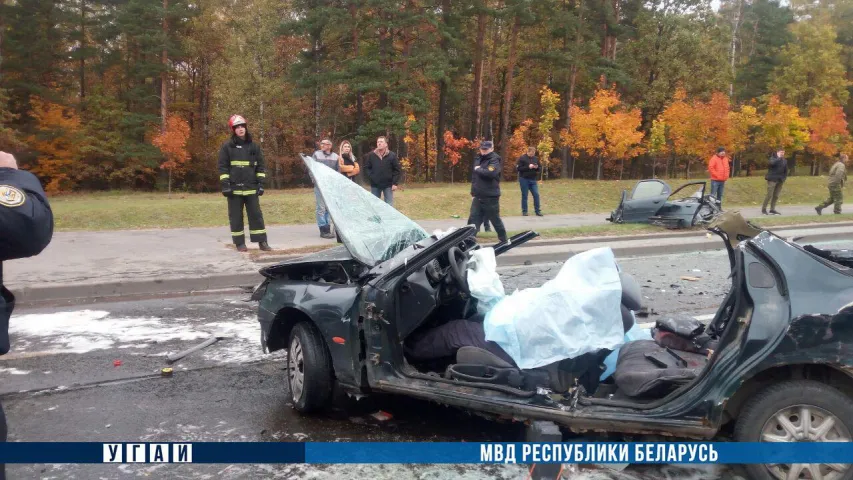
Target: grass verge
pixel 128 210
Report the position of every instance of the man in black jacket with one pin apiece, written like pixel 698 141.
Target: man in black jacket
pixel 486 190
pixel 528 170
pixel 777 173
pixel 242 174
pixel 383 171
pixel 26 228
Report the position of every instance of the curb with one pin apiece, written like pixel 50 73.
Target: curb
pixel 545 251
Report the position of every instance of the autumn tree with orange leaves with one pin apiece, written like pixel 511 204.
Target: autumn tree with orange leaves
pixel 58 143
pixel 697 128
pixel 453 148
pixel 606 130
pixel 521 138
pixel 828 130
pixel 173 143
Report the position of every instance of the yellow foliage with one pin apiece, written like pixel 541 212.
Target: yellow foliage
pixel 782 127
pixel 57 142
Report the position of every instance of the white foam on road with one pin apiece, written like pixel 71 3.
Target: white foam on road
pixel 85 331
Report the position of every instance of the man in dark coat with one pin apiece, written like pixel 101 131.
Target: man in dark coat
pixel 777 173
pixel 486 190
pixel 383 170
pixel 26 228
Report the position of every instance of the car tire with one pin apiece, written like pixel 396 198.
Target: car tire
pixel 309 374
pixel 787 401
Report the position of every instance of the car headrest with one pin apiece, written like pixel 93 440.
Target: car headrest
pixel 631 295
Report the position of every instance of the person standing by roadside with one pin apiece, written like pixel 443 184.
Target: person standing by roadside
pixel 486 190
pixel 718 167
pixel 776 176
pixel 528 168
pixel 837 179
pixel 383 171
pixel 26 228
pixel 242 173
pixel 330 159
pixel 347 164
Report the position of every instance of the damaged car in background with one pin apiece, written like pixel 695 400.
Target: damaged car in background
pixel 654 202
pixel 396 310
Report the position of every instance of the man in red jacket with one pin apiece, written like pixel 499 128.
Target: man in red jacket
pixel 718 167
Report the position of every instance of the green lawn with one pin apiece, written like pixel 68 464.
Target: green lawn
pixel 126 210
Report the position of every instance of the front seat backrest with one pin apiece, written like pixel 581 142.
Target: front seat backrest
pixel 631 295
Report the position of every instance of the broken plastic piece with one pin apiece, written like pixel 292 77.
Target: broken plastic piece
pixel 116 363
pixel 691 279
pixel 382 416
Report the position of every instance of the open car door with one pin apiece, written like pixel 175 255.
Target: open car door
pixel 644 201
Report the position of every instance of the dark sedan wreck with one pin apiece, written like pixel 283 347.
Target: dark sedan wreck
pixel 776 362
pixel 653 201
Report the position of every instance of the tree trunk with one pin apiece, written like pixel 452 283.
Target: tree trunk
pixel 487 107
pixel 572 82
pixel 359 98
pixel 442 101
pixel 513 41
pixel 82 52
pixel 622 169
pixel 164 75
pixel 736 17
pixel 477 87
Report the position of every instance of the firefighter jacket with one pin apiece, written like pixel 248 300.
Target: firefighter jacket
pixel 241 166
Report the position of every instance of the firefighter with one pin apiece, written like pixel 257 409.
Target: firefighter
pixel 242 175
pixel 26 228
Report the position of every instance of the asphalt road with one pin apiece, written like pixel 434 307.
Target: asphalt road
pixel 92 374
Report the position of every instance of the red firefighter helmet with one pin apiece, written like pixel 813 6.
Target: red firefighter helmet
pixel 236 120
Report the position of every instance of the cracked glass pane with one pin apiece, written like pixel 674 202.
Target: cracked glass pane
pixel 372 230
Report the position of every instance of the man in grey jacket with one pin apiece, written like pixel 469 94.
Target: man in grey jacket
pixel 330 159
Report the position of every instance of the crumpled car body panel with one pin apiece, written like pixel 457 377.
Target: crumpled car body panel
pixel 650 201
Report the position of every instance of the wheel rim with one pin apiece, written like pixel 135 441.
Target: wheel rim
pixel 805 423
pixel 295 369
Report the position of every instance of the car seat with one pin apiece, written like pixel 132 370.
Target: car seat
pixel 475 364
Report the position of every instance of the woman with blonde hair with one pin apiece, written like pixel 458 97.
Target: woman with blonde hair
pixel 347 164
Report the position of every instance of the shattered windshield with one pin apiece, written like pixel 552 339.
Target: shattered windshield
pixel 372 230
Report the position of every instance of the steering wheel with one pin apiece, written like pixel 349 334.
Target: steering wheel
pixel 459 268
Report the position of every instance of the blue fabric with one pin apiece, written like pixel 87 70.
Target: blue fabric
pixel 322 211
pixel 533 187
pixel 577 312
pixel 388 193
pixel 717 190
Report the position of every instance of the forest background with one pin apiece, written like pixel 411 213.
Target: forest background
pixel 136 94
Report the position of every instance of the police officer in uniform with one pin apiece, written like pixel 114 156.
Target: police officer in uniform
pixel 486 190
pixel 26 228
pixel 242 174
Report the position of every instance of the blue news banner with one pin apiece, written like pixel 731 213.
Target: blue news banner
pixel 426 452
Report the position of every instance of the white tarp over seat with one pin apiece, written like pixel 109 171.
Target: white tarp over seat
pixel 575 313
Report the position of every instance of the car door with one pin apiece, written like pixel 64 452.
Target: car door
pixel 645 200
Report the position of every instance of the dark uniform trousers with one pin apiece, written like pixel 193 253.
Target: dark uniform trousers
pixel 26 228
pixel 487 209
pixel 252 204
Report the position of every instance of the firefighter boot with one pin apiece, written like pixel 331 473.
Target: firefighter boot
pixel 264 246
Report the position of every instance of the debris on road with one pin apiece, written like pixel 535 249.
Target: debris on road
pixel 382 416
pixel 116 363
pixel 172 358
pixel 166 372
pixel 690 279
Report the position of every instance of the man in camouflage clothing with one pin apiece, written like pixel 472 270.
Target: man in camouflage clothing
pixel 837 179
